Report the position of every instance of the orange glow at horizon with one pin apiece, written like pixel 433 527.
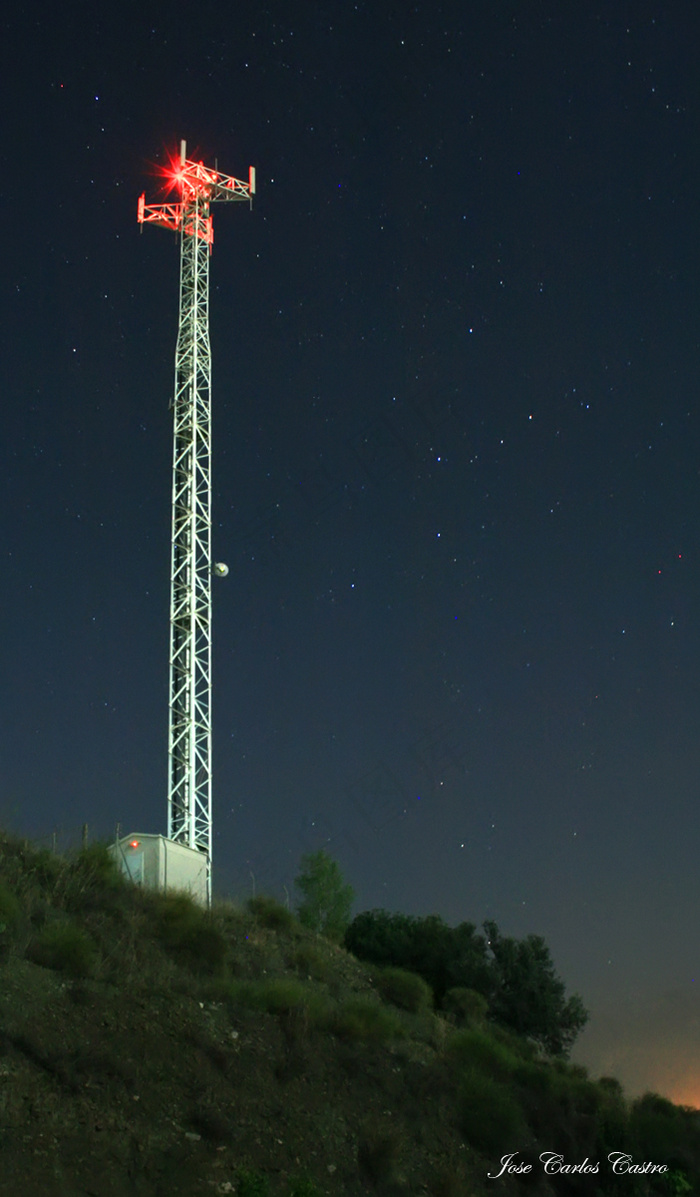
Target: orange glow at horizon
pixel 687 1094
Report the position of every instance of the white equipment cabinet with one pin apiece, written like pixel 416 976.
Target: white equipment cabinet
pixel 159 863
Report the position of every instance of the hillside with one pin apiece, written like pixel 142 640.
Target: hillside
pixel 149 1048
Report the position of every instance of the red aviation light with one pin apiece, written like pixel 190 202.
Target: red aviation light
pixel 175 176
pixel 196 187
pixel 172 173
pixel 134 844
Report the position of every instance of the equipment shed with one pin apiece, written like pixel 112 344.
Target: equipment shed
pixel 162 864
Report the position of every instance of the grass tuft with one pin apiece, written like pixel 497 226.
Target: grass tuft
pixel 189 934
pixel 404 989
pixel 310 961
pixel 301 1186
pixel 66 948
pixel 466 1007
pixel 250 1183
pixel 270 913
pixel 363 1020
pixel 477 1049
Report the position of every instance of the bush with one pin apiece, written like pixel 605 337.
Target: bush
pixel 10 919
pixel 465 1006
pixel 612 1117
pixel 406 990
pixel 251 1184
pixel 279 995
pixel 310 961
pixel 611 1085
pixel 93 877
pixel 490 1116
pixel 45 868
pixel 268 912
pixel 444 956
pixel 66 948
pixel 188 933
pixel 301 1186
pixel 564 1107
pixel 10 909
pixel 660 1130
pixel 282 995
pixel 478 1050
pixel 365 1021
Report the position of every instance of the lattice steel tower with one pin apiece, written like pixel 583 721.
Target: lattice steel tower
pixel 189 739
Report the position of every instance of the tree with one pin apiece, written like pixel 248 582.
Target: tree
pixel 528 995
pixel 327 900
pixel 444 956
pixel 515 977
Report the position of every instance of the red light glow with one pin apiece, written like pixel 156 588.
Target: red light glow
pixel 197 186
pixel 134 844
pixel 171 173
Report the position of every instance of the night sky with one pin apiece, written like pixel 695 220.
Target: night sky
pixel 456 449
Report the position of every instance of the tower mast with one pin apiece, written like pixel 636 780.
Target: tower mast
pixel 189 736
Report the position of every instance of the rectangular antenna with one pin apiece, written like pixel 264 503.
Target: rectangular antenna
pixel 183 153
pixel 251 180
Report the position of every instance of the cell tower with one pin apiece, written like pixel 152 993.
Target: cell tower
pixel 189 738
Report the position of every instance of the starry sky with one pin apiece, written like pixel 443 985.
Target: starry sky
pixel 456 446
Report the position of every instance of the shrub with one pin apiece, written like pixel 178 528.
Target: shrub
pixel 659 1129
pixel 268 912
pixel 611 1085
pixel 536 1077
pixel 310 961
pixel 251 1184
pixel 64 947
pixel 279 995
pixel 479 1051
pixel 444 956
pixel 365 1021
pixel 45 868
pixel 490 1116
pixel 188 933
pixel 406 990
pixel 612 1117
pixel 466 1006
pixel 301 1186
pixel 566 1108
pixel 10 910
pixel 282 995
pixel 93 877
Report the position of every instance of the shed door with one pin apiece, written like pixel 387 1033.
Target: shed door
pixel 133 866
